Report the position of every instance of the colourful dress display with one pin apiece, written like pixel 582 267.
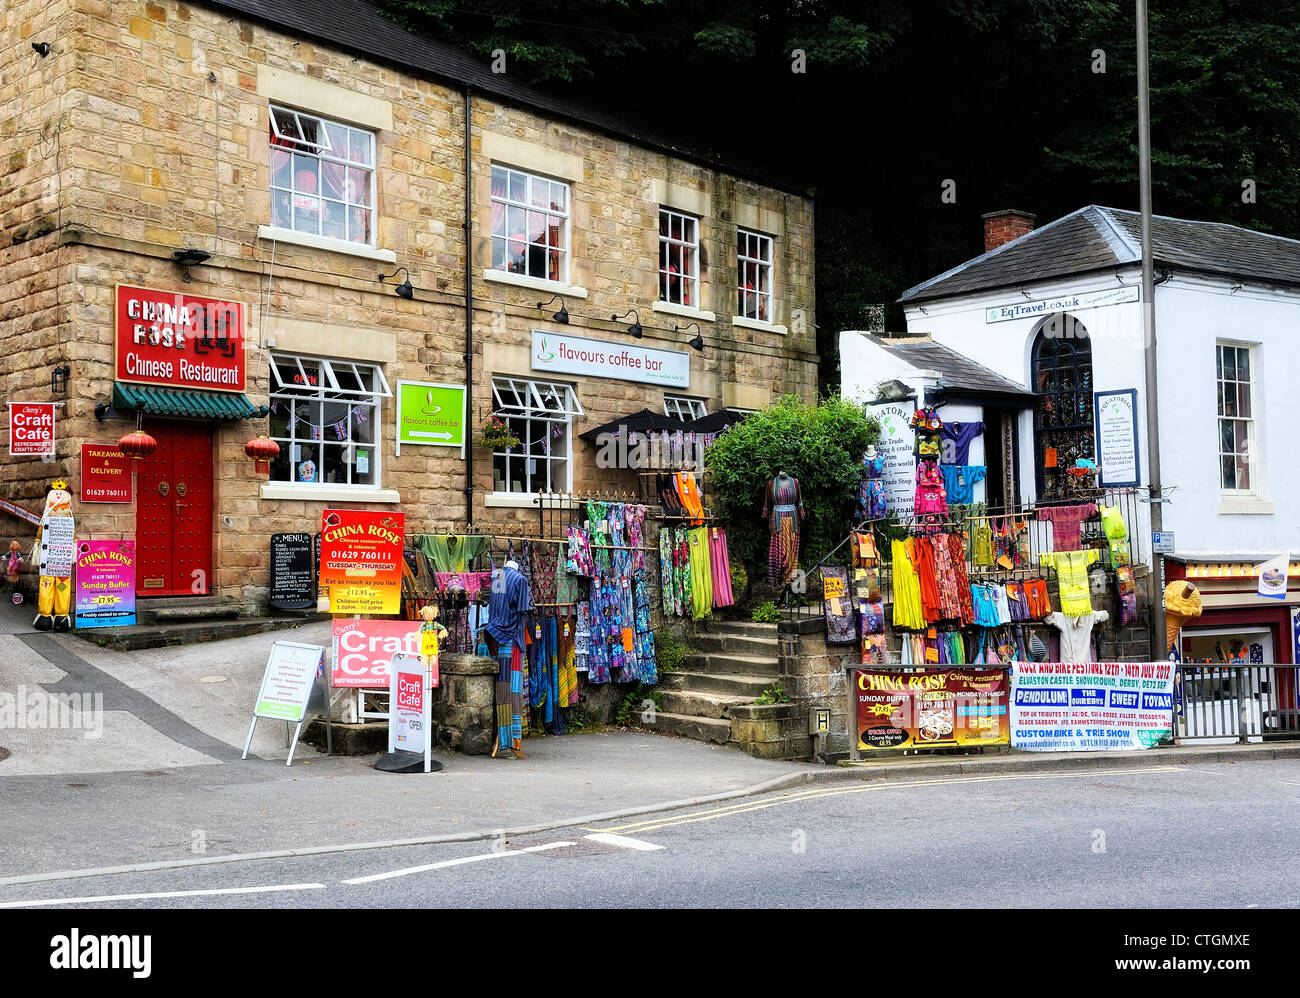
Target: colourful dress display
pixel 783 508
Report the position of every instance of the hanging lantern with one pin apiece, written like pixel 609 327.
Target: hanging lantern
pixel 262 449
pixel 137 445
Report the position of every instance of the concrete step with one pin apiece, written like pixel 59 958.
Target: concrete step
pixel 192 632
pixel 745 665
pixel 741 628
pixel 693 704
pixel 728 684
pixel 737 642
pixel 187 614
pixel 702 729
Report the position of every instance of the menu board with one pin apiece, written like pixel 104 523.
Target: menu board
pixel 931 709
pixel 291 672
pixel 293 572
pixel 1117 444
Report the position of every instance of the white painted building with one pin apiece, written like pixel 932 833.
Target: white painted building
pixel 1058 308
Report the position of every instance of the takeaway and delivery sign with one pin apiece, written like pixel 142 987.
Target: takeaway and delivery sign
pixel 179 340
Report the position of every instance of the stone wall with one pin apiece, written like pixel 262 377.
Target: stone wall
pixel 147 130
pixel 814 677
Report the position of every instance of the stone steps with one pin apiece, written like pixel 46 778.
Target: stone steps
pixel 740 628
pixel 734 642
pixel 730 664
pixel 694 703
pixel 730 684
pixel 701 729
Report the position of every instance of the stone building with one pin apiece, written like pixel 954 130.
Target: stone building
pixel 199 199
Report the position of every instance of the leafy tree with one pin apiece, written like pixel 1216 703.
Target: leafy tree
pixel 820 444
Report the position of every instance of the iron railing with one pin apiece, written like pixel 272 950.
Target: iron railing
pixel 1236 703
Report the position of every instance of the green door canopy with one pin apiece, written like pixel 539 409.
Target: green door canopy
pixel 188 402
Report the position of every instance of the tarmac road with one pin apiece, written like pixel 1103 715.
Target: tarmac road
pixel 1182 836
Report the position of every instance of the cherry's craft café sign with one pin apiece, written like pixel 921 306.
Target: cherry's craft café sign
pixel 179 340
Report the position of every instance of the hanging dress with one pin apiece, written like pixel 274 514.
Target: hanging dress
pixel 907 588
pixel 872 504
pixel 783 508
pixel 701 574
pixel 720 563
pixel 923 559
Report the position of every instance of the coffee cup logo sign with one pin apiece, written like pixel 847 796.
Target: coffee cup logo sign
pixel 185 341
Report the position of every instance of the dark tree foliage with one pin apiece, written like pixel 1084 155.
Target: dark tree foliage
pixel 1001 97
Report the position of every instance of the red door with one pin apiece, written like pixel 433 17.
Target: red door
pixel 173 520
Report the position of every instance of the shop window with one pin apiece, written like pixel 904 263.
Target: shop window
pixel 679 258
pixel 684 408
pixel 530 225
pixel 322 177
pixel 753 275
pixel 1062 378
pixel 540 414
pixel 326 417
pixel 1236 408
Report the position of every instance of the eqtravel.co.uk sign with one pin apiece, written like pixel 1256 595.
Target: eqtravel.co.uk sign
pixel 1030 309
pixel 562 354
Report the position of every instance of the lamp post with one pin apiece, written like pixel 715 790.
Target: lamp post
pixel 1155 584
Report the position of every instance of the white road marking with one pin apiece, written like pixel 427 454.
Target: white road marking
pixel 269 889
pixel 455 862
pixel 622 841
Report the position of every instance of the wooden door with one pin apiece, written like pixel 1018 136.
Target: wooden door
pixel 174 511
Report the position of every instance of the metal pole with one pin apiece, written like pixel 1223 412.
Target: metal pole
pixel 467 449
pixel 1156 595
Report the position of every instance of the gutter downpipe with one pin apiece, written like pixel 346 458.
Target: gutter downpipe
pixel 469 324
pixel 1156 582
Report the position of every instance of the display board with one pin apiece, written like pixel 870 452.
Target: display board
pixel 896 445
pixel 931 709
pixel 1091 706
pixel 293 572
pixel 292 684
pixel 105 585
pixel 1115 416
pixel 430 415
pixel 58 547
pixel 363 649
pixel 361 560
pixel 105 474
pixel 31 428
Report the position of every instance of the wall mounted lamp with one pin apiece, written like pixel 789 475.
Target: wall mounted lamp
pixel 41 48
pixel 634 329
pixel 403 290
pixel 59 379
pixel 562 316
pixel 697 341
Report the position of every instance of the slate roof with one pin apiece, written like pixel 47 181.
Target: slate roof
pixel 359 26
pixel 1096 238
pixel 957 372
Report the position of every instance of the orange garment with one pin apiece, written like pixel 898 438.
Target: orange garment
pixel 689 494
pixel 923 559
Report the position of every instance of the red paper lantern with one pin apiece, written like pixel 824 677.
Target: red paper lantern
pixel 262 450
pixel 137 445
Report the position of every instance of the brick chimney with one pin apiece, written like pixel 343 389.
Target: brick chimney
pixel 1005 225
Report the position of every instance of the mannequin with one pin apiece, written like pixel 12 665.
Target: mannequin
pixel 783 508
pixel 872 504
pixel 508 608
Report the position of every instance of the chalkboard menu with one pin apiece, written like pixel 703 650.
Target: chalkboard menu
pixel 293 581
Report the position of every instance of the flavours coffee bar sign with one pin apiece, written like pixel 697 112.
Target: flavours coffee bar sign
pixel 562 354
pixel 179 340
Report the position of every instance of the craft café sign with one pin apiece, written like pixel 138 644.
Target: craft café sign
pixel 179 340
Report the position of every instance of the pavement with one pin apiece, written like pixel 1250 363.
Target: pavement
pixel 162 786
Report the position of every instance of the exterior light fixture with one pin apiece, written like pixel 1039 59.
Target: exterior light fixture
pixel 41 48
pixel 697 341
pixel 634 329
pixel 59 379
pixel 562 316
pixel 403 290
pixel 189 257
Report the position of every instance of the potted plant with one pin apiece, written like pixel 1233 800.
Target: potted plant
pixel 497 436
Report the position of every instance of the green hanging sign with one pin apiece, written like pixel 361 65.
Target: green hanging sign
pixel 430 415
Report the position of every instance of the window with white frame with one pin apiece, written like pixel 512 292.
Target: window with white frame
pixel 325 415
pixel 753 275
pixel 685 408
pixel 322 177
pixel 530 225
pixel 679 258
pixel 540 414
pixel 1236 406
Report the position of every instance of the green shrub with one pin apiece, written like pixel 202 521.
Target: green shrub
pixel 766 613
pixel 670 654
pixel 821 445
pixel 633 703
pixel 773 694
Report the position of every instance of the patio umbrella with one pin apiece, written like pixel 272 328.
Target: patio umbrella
pixel 645 421
pixel 716 422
